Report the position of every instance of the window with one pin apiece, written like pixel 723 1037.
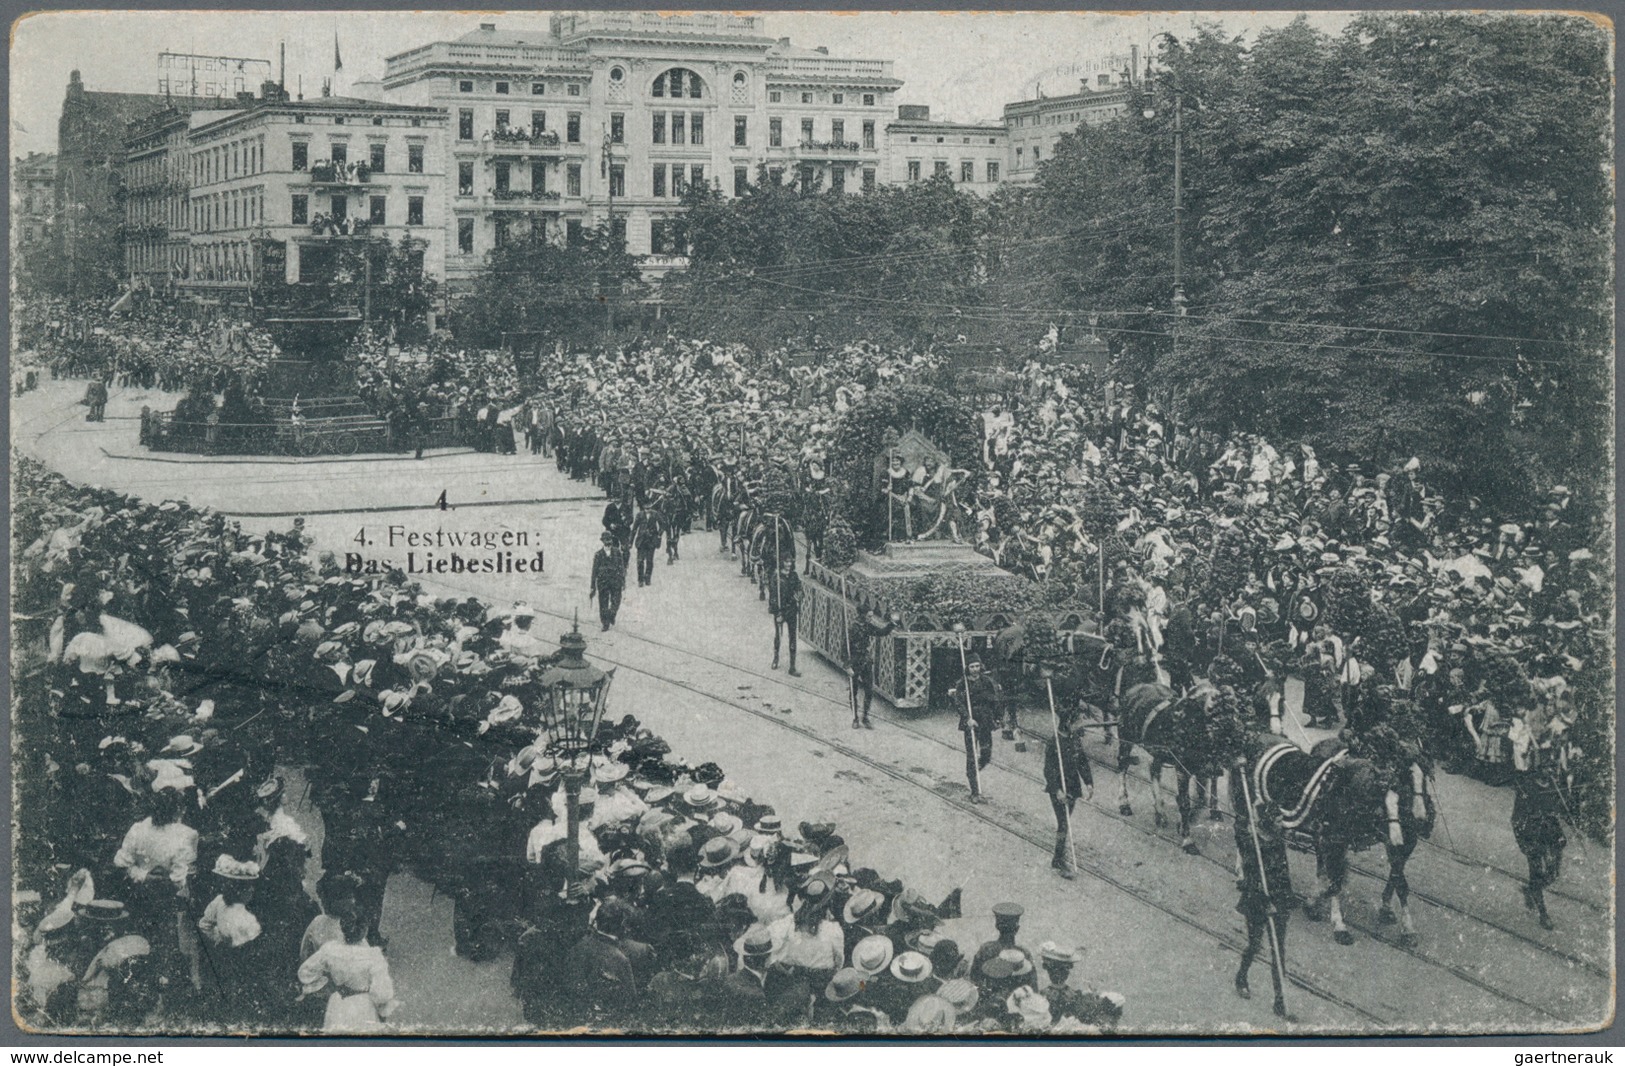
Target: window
pixel 696 175
pixel 992 140
pixel 677 136
pixel 502 88
pixel 1035 155
pixel 465 86
pixel 774 97
pixel 806 98
pixel 504 175
pixel 868 99
pixel 775 175
pixel 299 120
pixel 616 74
pixel 837 179
pixel 465 179
pixel 967 170
pixel 375 210
pixel 679 182
pixel 992 170
pixel 572 127
pixel 741 131
pixel 658 185
pixel 673 82
pixel 573 90
pixel 572 180
pixel 869 134
pixel 658 133
pixel 338 121
pixel 414 159
pixel 538 122
pixel 868 178
pixel 341 154
pixel 806 131
pixel 377 120
pixel 538 88
pixel 913 140
pixel 538 176
pixel 301 155
pixel 572 233
pixel 837 131
pixel 913 170
pixel 838 98
pixel 375 158
pixel 414 210
pixel 1018 157
pixel 941 169
pixel 341 209
pixel 809 176
pixel 502 119
pixel 696 128
pixel 465 124
pixel 739 78
pixel 617 128
pixel 775 132
pixel 741 180
pixel 500 234
pixel 465 236
pixel 617 179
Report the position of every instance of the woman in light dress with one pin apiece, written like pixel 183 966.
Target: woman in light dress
pixel 362 993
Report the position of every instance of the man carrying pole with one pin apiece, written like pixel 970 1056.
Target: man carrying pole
pixel 1066 777
pixel 1264 881
pixel 862 636
pixel 978 718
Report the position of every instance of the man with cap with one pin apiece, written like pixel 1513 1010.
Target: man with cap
pixel 646 536
pixel 977 701
pixel 1264 881
pixel 1066 777
pixel 608 580
pixel 863 642
pixel 1007 920
pixel 784 602
pixel 742 998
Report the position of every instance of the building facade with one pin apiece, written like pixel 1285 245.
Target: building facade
pixel 612 116
pixel 157 173
pixel 973 154
pixel 279 187
pixel 33 204
pixel 1036 126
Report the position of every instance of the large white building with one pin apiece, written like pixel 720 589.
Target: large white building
pixel 613 115
pixel 280 185
pixel 973 154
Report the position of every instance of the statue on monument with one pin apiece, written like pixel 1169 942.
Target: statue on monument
pixel 920 486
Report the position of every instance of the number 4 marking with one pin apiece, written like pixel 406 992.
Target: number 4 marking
pixel 441 502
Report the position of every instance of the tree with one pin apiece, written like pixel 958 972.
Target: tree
pixel 532 284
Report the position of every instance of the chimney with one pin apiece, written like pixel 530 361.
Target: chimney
pixel 822 50
pixel 488 27
pixel 784 42
pixel 1133 63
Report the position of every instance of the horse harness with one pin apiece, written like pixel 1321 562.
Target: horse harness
pixel 1313 786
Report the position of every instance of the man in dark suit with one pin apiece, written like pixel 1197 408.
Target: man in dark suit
pixel 608 580
pixel 784 601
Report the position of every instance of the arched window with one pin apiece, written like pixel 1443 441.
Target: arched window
pixel 679 82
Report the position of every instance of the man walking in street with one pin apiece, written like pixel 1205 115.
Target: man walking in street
pixel 646 541
pixel 863 642
pixel 1263 880
pixel 978 705
pixel 608 580
pixel 784 601
pixel 1066 777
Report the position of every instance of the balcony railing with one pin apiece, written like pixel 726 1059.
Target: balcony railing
pixel 519 135
pixel 329 173
pixel 532 195
pixel 829 67
pixel 650 22
pixel 830 146
pixel 328 226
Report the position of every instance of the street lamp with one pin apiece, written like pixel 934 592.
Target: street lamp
pixel 572 709
pixel 1179 187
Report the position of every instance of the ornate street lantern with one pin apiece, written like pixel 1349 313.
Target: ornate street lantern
pixel 573 707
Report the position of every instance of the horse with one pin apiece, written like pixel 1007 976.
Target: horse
pixel 1171 729
pixel 726 499
pixel 1346 803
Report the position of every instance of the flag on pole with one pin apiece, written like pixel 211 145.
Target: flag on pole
pixel 338 61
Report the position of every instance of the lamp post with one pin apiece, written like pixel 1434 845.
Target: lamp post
pixel 1179 190
pixel 573 708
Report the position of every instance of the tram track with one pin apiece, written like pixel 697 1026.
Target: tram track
pixel 1309 985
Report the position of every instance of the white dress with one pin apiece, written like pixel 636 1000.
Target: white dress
pixel 363 995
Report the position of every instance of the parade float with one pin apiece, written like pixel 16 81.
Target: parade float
pixel 950 602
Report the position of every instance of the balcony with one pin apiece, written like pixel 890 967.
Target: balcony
pixel 348 174
pixel 328 226
pixel 520 58
pixel 825 68
pixel 522 197
pixel 614 23
pixel 518 136
pixel 819 151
